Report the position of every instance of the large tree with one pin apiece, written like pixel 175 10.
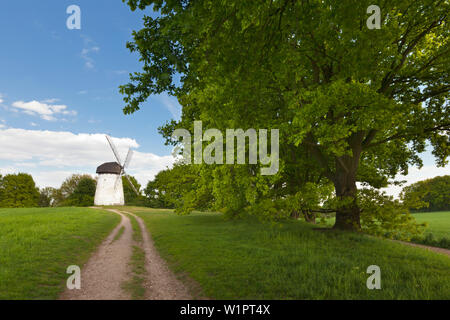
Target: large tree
pixel 18 191
pixel 361 103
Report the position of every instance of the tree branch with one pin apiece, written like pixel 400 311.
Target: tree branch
pixel 445 126
pixel 390 75
pixel 317 153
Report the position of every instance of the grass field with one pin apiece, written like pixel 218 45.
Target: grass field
pixel 437 234
pixel 250 260
pixel 438 223
pixel 37 246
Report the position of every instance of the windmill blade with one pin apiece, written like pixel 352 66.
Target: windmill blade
pixel 116 184
pixel 131 183
pixel 114 149
pixel 128 159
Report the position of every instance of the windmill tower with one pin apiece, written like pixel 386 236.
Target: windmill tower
pixel 109 190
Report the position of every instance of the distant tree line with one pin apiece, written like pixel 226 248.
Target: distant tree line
pixel 182 188
pixel 78 190
pixel 428 195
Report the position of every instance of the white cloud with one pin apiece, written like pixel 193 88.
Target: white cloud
pixel 1 98
pixel 89 48
pixel 171 104
pixel 51 156
pixel 44 110
pixel 53 100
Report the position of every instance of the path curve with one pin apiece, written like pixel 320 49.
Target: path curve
pixel 107 269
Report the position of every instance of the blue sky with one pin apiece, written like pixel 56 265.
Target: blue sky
pixel 41 59
pixel 59 93
pixel 66 81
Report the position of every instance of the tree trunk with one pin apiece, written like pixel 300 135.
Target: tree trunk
pixel 348 214
pixel 309 216
pixel 295 214
pixel 344 178
pixel 348 217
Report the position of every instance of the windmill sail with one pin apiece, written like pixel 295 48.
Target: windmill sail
pixel 128 158
pixel 114 149
pixel 131 183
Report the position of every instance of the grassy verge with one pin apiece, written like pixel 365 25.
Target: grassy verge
pixel 119 234
pixel 250 260
pixel 135 286
pixel 137 233
pixel 37 246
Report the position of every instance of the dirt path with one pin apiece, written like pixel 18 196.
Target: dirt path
pixel 105 272
pixel 161 283
pixel 108 269
pixel 435 249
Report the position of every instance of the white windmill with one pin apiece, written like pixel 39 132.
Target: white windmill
pixel 109 190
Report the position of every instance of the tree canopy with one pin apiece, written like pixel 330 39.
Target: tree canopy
pixel 83 194
pixel 433 194
pixel 18 191
pixel 179 188
pixel 71 193
pixel 352 104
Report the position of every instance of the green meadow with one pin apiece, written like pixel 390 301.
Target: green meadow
pixel 249 260
pixel 438 223
pixel 222 259
pixel 37 246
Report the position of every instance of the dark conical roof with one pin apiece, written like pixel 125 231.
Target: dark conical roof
pixel 109 167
